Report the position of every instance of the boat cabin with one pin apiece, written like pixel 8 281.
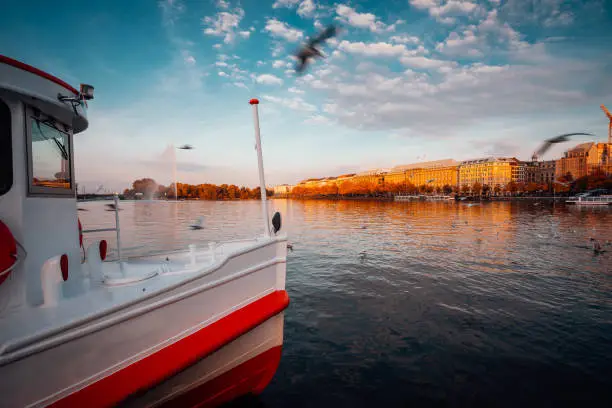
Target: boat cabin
pixel 39 231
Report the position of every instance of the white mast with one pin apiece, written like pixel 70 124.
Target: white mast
pixel 262 182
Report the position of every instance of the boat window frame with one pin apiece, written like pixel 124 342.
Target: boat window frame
pixel 6 145
pixel 41 191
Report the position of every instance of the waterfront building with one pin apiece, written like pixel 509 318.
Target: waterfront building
pixel 282 190
pixel 574 162
pixel 439 173
pixel 491 171
pixel 375 176
pixel 599 160
pixel 540 172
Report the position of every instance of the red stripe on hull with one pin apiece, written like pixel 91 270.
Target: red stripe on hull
pixel 250 377
pixel 152 369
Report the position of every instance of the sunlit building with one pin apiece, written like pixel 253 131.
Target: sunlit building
pixel 574 162
pixel 491 171
pixel 585 159
pixel 438 173
pixel 282 189
pixel 375 176
pixel 599 160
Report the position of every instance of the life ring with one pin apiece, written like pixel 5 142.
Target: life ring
pixel 80 233
pixel 8 252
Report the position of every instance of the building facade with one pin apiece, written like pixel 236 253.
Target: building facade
pixel 598 159
pixel 574 162
pixel 438 173
pixel 282 190
pixel 491 171
pixel 540 172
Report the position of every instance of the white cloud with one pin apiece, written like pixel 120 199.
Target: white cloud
pixel 278 64
pixel 295 90
pixel 222 4
pixel 217 46
pixel 295 103
pixel 421 62
pixel 282 30
pixel 223 74
pixel 453 7
pixel 240 85
pixel 317 119
pixel 405 39
pixel 360 20
pixel 444 11
pixel 307 8
pixel 221 64
pixel 550 13
pixel 171 11
pixel 268 79
pixel 245 34
pixel 285 3
pixel 380 49
pixel 225 24
pixel 188 58
pixel 466 95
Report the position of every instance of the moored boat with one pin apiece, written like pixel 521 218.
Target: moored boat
pixel 79 330
pixel 591 200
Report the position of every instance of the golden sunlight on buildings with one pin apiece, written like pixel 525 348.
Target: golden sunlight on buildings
pixel 438 173
pixel 491 171
pixel 585 159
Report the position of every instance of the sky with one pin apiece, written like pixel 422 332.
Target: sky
pixel 405 81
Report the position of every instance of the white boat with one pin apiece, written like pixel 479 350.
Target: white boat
pixel 591 200
pixel 77 330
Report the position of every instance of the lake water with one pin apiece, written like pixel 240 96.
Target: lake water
pixel 420 304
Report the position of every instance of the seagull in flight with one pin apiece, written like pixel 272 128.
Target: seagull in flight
pixel 185 147
pixel 557 139
pixel 310 50
pixel 198 224
pixel 112 207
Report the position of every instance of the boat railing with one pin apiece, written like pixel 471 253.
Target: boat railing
pixel 117 229
pixel 606 199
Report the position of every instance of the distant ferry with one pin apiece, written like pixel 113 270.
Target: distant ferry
pixel 423 197
pixel 591 198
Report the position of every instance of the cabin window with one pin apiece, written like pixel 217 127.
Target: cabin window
pixel 49 157
pixel 6 149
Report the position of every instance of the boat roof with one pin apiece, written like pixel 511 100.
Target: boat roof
pixel 40 89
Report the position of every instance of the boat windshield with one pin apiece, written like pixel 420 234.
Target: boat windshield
pixel 50 156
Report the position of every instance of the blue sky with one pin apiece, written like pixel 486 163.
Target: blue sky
pixel 406 81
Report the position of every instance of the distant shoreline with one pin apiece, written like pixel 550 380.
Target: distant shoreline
pixel 470 199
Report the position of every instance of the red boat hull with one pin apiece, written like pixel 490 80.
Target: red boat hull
pixel 248 377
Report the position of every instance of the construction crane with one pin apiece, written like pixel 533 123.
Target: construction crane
pixel 609 115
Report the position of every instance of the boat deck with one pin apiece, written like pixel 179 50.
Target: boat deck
pixel 96 298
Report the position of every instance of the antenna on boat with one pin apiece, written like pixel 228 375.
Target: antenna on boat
pixel 262 183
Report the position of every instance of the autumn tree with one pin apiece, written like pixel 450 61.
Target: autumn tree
pixel 476 188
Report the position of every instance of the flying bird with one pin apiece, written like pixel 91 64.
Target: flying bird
pixel 112 207
pixel 310 50
pixel 557 139
pixel 197 224
pixel 185 147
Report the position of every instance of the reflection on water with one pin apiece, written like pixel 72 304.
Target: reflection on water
pixel 421 303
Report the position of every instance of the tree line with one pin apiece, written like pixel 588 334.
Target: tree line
pixel 147 188
pixel 372 188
